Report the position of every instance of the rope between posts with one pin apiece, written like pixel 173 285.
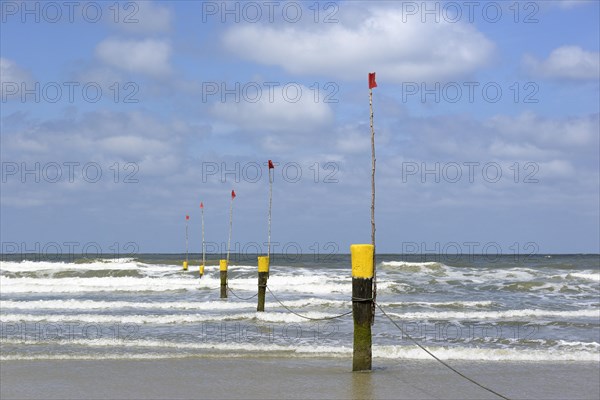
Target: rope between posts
pixel 241 298
pixel 361 300
pixel 304 316
pixel 435 357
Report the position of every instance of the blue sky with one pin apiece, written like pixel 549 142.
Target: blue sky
pixel 117 121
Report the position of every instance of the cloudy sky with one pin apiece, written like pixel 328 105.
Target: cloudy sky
pixel 118 119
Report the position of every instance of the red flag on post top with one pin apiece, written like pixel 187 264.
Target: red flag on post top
pixel 372 82
pixel 232 194
pixel 271 166
pixel 187 217
pixel 201 205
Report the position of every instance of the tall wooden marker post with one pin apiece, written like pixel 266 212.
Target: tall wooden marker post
pixel 364 288
pixel 201 268
pixel 224 264
pixel 264 262
pixel 185 263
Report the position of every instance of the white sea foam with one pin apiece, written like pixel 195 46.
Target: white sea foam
pixel 282 283
pixel 410 263
pixel 47 269
pixel 306 284
pixel 317 293
pixel 441 304
pixel 313 301
pixel 245 348
pixel 286 317
pixel 250 343
pixel 103 284
pixel 234 267
pixel 73 304
pixel 591 276
pixel 404 264
pixel 579 344
pixel 483 354
pixel 422 272
pixel 33 266
pixel 499 315
pixel 283 317
pixel 104 356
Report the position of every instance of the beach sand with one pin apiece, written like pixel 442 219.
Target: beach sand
pixel 292 378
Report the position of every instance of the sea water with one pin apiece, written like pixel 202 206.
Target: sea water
pixel 478 308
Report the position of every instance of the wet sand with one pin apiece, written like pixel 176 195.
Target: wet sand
pixel 292 378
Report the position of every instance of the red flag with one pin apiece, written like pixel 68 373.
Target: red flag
pixel 201 205
pixel 271 166
pixel 187 217
pixel 232 194
pixel 372 82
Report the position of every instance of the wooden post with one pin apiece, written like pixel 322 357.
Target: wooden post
pixel 223 264
pixel 185 263
pixel 223 270
pixel 263 275
pixel 230 224
pixel 372 170
pixel 201 268
pixel 271 167
pixel 371 85
pixel 362 302
pixel 263 262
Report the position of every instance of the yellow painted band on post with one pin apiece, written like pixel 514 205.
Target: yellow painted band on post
pixel 185 265
pixel 222 265
pixel 362 260
pixel 263 264
pixel 201 270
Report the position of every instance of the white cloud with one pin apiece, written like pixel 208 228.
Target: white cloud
pixel 556 169
pixel 110 136
pixel 11 72
pixel 351 140
pixel 573 3
pixel 397 50
pixel 101 74
pixel 578 132
pixel 142 17
pixel 28 145
pixel 161 164
pixel 149 56
pixel 128 146
pixel 518 151
pixel 279 116
pixel 566 62
pixel 558 154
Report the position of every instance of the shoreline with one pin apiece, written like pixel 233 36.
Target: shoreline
pixel 293 378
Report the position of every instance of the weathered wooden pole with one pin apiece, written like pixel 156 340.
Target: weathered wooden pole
pixel 185 263
pixel 263 262
pixel 230 224
pixel 373 84
pixel 223 264
pixel 271 167
pixel 223 271
pixel 362 302
pixel 263 276
pixel 201 268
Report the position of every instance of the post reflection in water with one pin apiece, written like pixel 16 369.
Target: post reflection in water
pixel 361 385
